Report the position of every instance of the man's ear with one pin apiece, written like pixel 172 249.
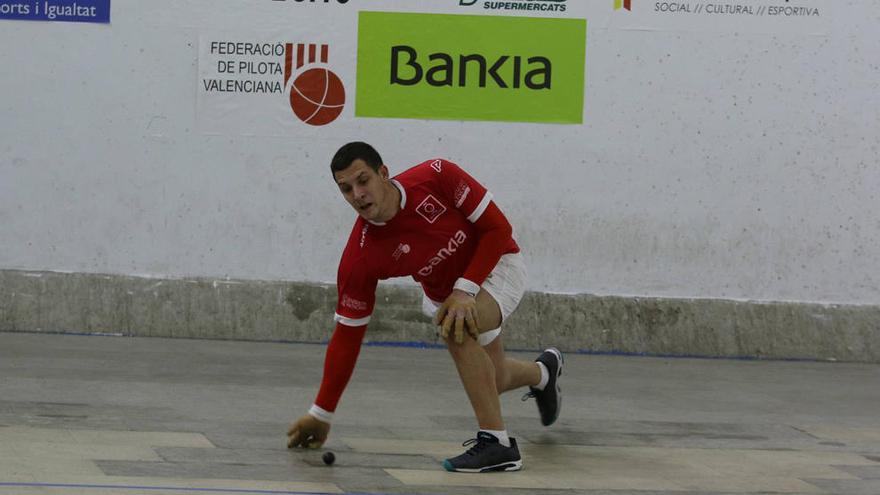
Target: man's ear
pixel 383 171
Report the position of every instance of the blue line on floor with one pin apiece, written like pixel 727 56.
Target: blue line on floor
pixel 435 345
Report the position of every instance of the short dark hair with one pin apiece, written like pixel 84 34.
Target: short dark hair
pixel 350 152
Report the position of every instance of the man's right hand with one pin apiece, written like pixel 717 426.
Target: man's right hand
pixel 308 432
pixel 457 314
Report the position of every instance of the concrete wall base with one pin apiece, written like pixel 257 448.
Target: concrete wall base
pixel 302 312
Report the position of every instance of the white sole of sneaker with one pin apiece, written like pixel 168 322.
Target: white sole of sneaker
pixel 559 358
pixel 504 466
pixel 561 361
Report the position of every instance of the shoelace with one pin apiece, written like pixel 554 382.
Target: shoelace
pixel 478 446
pixel 529 395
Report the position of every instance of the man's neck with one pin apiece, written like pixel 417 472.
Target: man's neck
pixel 394 198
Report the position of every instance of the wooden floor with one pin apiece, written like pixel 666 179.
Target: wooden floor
pixel 103 415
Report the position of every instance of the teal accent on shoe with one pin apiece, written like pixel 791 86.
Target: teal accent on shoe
pixel 448 466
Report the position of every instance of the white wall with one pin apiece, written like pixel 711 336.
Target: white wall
pixel 727 161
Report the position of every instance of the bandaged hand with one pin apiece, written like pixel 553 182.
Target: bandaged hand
pixel 457 315
pixel 308 432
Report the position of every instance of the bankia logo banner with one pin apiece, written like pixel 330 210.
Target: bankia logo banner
pixel 470 67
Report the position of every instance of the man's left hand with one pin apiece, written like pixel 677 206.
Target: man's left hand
pixel 458 314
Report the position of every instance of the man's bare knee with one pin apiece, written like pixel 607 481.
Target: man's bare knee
pixel 488 311
pixel 456 349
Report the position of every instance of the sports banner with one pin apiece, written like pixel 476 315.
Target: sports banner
pixel 466 60
pixel 469 67
pixel 94 11
pixel 270 85
pixel 782 17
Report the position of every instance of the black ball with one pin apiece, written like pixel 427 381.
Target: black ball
pixel 329 458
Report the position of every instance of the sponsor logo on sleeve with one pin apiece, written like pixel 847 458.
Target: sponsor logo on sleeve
pixel 351 303
pixel 461 193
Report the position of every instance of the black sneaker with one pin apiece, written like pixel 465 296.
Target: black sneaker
pixel 550 399
pixel 487 454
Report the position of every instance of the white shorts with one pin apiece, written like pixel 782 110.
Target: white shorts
pixel 506 284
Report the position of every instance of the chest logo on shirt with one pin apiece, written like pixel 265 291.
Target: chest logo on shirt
pixel 430 209
pixel 400 251
pixel 455 242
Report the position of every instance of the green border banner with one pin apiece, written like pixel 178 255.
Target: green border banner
pixel 470 67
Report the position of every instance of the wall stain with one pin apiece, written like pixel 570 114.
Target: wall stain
pixel 303 303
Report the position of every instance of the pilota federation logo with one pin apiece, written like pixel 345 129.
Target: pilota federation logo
pixel 626 4
pixel 317 95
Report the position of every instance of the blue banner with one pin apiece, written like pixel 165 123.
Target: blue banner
pixel 97 11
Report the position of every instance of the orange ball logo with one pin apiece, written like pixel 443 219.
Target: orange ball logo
pixel 317 95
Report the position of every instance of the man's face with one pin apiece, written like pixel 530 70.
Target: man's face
pixel 364 189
